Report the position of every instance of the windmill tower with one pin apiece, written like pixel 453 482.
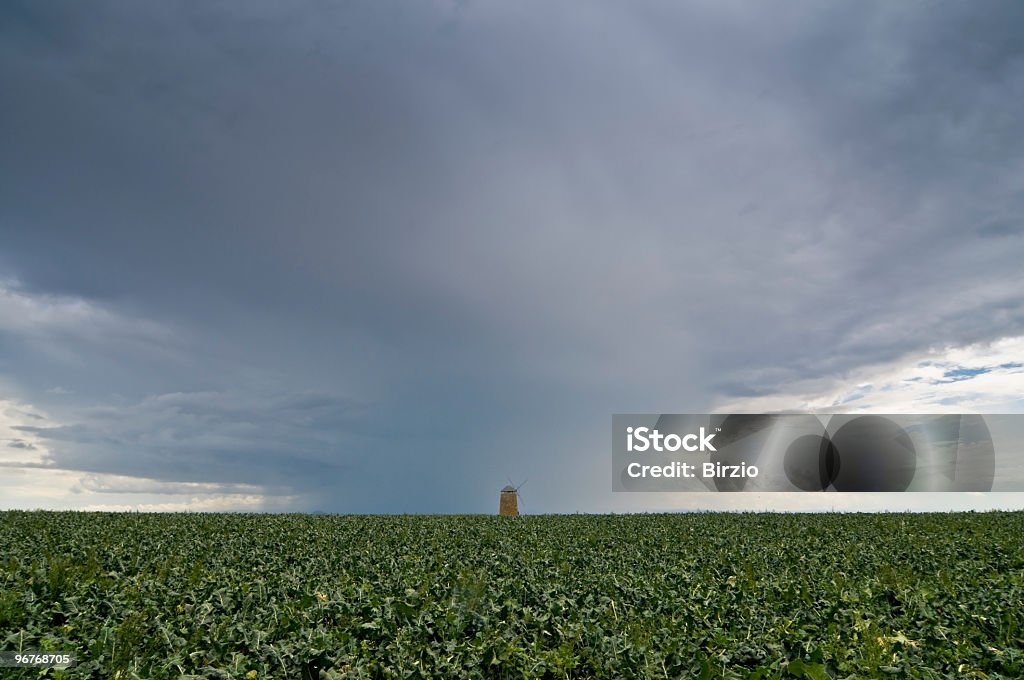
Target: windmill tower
pixel 509 506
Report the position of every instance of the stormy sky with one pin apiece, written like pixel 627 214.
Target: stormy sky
pixel 384 256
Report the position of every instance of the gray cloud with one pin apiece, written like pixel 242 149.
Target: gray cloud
pixel 284 443
pixel 496 225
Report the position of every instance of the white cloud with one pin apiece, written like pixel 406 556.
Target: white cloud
pixel 31 488
pixel 200 504
pixel 977 378
pixel 121 484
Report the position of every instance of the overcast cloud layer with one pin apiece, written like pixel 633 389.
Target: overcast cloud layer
pixel 380 256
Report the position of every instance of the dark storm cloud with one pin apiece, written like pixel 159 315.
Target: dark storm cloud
pixel 285 444
pixel 497 224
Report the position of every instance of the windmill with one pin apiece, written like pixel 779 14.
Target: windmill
pixel 509 506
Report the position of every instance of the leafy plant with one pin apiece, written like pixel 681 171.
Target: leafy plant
pixel 636 596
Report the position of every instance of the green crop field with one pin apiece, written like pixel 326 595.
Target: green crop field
pixel 697 595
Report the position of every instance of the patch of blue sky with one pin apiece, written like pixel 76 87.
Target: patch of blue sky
pixel 957 374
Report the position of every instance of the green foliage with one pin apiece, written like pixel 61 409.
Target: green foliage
pixel 636 596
